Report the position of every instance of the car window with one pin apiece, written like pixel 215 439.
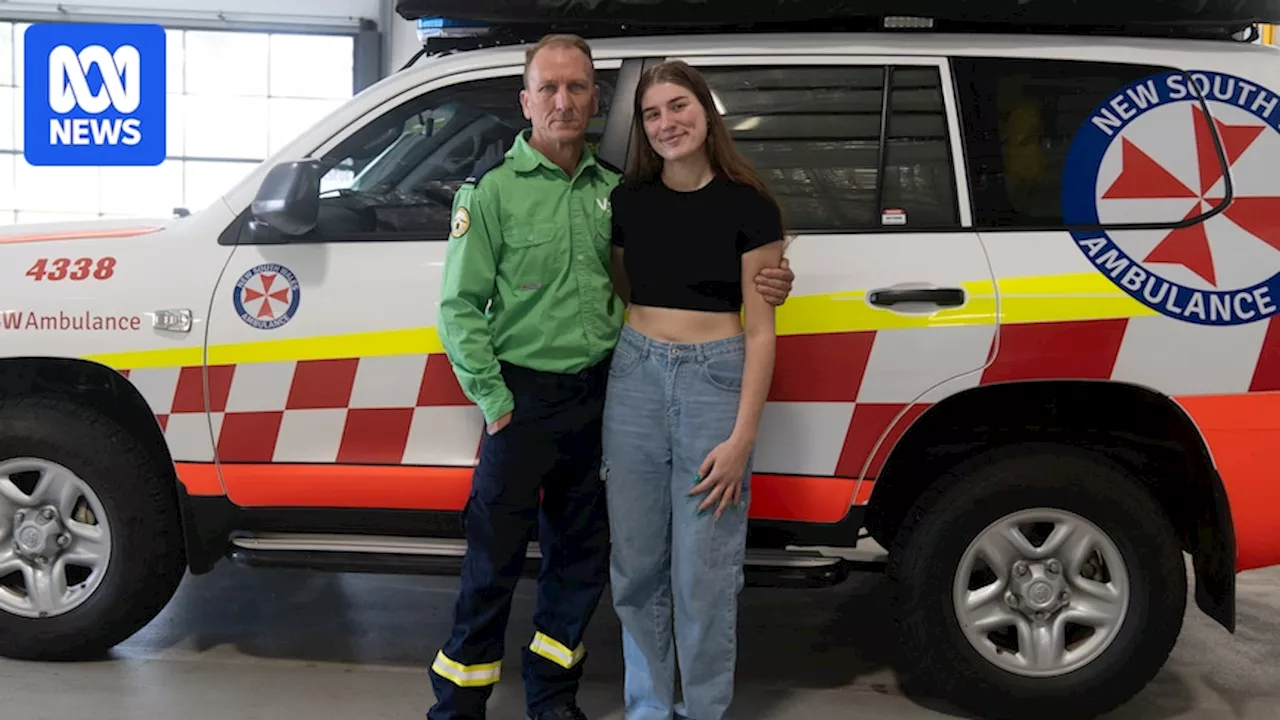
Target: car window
pixel 1019 119
pixel 919 176
pixel 818 135
pixel 396 177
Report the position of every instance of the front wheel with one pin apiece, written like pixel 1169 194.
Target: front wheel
pixel 1039 581
pixel 90 539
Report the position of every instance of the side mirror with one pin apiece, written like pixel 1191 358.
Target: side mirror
pixel 288 202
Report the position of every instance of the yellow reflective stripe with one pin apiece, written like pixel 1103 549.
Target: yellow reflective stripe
pixel 169 357
pixel 555 651
pixel 1023 300
pixel 421 341
pixel 1064 298
pixel 850 312
pixel 1050 298
pixel 467 675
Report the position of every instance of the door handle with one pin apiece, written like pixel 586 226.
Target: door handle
pixel 942 297
pixel 173 320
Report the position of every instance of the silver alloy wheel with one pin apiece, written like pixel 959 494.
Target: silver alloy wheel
pixel 1041 592
pixel 55 542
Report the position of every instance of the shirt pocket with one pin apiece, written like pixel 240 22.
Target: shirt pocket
pixel 533 255
pixel 603 237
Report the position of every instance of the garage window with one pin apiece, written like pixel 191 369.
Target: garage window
pixel 233 99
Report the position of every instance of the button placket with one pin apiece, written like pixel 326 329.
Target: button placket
pixel 576 222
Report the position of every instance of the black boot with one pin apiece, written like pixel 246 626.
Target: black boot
pixel 568 711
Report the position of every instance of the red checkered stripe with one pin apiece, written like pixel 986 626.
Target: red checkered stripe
pixel 405 409
pixel 867 385
pixel 838 403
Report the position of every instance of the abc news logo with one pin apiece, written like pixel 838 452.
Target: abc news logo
pixel 94 94
pixel 69 89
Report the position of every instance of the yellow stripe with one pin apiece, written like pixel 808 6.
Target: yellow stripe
pixel 850 312
pixel 409 341
pixel 1061 298
pixel 467 675
pixel 555 651
pixel 1055 298
pixel 169 357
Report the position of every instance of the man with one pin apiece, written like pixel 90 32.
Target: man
pixel 528 318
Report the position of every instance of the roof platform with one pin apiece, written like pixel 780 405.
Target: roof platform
pixel 518 21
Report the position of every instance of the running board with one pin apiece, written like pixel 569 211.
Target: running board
pixel 431 556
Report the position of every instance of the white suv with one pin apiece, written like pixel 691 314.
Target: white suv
pixel 1030 350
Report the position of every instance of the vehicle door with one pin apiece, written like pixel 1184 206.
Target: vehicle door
pixel 327 384
pixel 1100 194
pixel 893 305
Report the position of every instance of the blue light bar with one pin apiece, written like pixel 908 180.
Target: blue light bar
pixel 435 27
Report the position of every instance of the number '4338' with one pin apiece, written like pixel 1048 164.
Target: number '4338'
pixel 68 269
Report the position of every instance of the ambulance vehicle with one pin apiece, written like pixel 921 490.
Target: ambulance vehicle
pixel 1032 348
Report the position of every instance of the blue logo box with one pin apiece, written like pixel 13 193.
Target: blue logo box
pixel 94 94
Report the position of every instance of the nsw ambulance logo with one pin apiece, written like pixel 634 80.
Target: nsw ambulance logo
pixel 1147 156
pixel 267 296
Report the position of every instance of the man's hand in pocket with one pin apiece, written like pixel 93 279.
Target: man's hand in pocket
pixel 500 423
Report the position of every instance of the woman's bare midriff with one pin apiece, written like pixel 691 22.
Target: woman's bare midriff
pixel 683 326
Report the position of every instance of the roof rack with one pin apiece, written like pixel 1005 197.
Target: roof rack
pixel 460 25
pixel 511 34
pixel 1053 12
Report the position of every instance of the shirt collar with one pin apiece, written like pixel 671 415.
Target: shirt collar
pixel 527 159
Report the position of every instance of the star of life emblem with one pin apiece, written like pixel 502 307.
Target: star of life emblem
pixel 1148 155
pixel 267 296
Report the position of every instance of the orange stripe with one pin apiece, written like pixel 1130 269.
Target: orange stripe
pixel 800 498
pixel 199 478
pixel 396 487
pixel 1243 434
pixel 864 493
pixel 401 487
pixel 78 235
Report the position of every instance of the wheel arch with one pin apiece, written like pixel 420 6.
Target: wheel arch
pixel 1146 431
pixel 110 393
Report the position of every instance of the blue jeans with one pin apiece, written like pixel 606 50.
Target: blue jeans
pixel 675 573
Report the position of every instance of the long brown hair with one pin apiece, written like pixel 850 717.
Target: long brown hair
pixel 644 164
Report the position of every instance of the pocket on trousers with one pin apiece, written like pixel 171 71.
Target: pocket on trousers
pixel 724 372
pixel 625 360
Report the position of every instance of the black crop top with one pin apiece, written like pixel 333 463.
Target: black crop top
pixel 684 249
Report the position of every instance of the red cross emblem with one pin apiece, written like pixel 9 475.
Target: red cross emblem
pixel 1142 177
pixel 259 289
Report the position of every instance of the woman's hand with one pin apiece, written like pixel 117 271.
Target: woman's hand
pixel 723 470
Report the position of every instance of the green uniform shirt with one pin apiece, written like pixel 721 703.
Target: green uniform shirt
pixel 526 273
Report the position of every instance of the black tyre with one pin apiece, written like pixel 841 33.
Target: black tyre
pixel 1070 618
pixel 90 538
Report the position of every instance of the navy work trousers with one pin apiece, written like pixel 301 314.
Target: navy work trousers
pixel 551 448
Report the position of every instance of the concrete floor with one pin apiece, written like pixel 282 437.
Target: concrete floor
pixel 285 645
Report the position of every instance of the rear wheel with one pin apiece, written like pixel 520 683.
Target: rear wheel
pixel 90 542
pixel 1039 581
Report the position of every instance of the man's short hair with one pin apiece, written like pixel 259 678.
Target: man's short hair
pixel 564 40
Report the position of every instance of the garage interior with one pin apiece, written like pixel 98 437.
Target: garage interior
pixel 243 80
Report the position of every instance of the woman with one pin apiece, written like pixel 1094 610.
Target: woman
pixel 693 224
